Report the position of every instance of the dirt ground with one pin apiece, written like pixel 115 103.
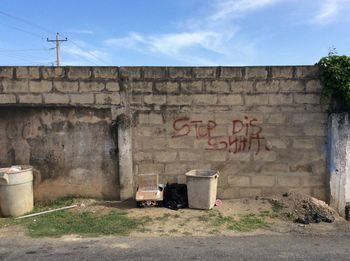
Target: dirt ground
pixel 191 222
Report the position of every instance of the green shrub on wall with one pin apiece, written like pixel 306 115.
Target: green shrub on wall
pixel 335 78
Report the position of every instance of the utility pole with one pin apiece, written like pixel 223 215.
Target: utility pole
pixel 58 40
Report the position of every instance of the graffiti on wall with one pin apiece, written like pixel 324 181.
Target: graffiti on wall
pixel 244 134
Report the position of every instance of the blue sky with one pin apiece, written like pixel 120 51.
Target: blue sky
pixel 173 33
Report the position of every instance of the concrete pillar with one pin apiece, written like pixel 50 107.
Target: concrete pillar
pixel 125 157
pixel 339 160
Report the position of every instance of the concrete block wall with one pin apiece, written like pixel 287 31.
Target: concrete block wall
pixel 263 128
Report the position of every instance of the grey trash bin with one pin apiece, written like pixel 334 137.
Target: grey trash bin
pixel 16 191
pixel 201 188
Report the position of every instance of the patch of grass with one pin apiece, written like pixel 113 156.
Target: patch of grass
pixel 276 206
pixel 247 223
pixel 165 217
pixel 52 204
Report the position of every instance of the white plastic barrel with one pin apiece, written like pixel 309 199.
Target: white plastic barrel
pixel 16 191
pixel 201 188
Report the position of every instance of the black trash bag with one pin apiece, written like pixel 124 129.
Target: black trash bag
pixel 175 196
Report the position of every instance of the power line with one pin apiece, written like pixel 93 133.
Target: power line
pixel 58 41
pixel 22 30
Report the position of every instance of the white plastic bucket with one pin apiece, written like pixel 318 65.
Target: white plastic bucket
pixel 16 191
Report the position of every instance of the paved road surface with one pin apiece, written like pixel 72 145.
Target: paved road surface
pixel 263 247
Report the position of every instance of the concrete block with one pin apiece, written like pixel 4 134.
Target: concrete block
pixel 52 72
pixel 136 99
pixel 75 73
pixel 276 118
pixel 66 87
pixel 267 156
pixel 52 98
pixel 268 86
pixel 6 72
pixel 313 86
pixel 176 168
pixel 179 99
pixel 191 87
pixel 309 118
pixel 91 86
pixel 10 86
pixel 313 181
pixel 278 143
pixel 256 72
pixel 144 168
pixel 130 72
pixel 216 156
pixel 7 99
pixel 229 193
pixel 231 72
pixel 275 167
pixel 249 192
pixel 27 72
pixel 239 86
pixel 292 86
pixel 320 193
pixel 143 156
pixel 165 156
pixel 82 98
pixel 230 99
pixel 263 181
pixel 319 130
pixel 306 98
pixel 239 181
pixel 188 156
pixel 140 87
pixel 303 143
pixel 30 98
pixel 154 72
pixel 150 131
pixel 112 86
pixel 219 86
pixel 105 72
pixel 103 98
pixel 205 99
pixel 307 72
pixel 181 143
pixel 257 99
pixel 154 99
pixel 180 72
pixel 167 87
pixel 282 71
pixel 204 72
pixel 150 118
pixel 288 181
pixel 280 99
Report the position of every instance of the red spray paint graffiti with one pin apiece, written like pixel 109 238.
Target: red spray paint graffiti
pixel 245 134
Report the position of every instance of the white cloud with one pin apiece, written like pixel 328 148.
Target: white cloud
pixel 79 51
pixel 329 10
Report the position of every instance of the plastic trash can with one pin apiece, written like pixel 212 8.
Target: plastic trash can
pixel 201 188
pixel 16 190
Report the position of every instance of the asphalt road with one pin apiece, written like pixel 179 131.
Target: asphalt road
pixel 262 247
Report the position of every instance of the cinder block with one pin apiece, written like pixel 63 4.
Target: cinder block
pixel 150 131
pixel 144 168
pixel 140 87
pixel 167 87
pixel 288 181
pixel 219 86
pixel 103 98
pixel 91 86
pixel 268 86
pixel 82 98
pixel 142 156
pixel 312 118
pixel 112 86
pixel 150 118
pixel 256 72
pixel 231 99
pixel 249 192
pixel 313 181
pixel 239 181
pixel 52 98
pixel 175 168
pixel 75 73
pixel 307 72
pixel 179 99
pixel 52 72
pixel 205 99
pixel 180 72
pixel 239 86
pixel 267 156
pixel 30 98
pixel 27 72
pixel 292 86
pixel 230 193
pixel 263 181
pixel 154 72
pixel 191 87
pixel 154 143
pixel 258 99
pixel 204 72
pixel 313 86
pixel 216 156
pixel 319 130
pixel 280 99
pixel 130 72
pixel 320 193
pixel 7 99
pixel 303 143
pixel 282 71
pixel 105 72
pixel 165 156
pixel 66 87
pixel 306 98
pixel 275 167
pixel 181 143
pixel 232 72
pixel 188 156
pixel 154 99
pixel 6 72
pixel 10 86
pixel 278 143
pixel 276 118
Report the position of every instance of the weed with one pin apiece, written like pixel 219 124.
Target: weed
pixel 247 223
pixel 276 206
